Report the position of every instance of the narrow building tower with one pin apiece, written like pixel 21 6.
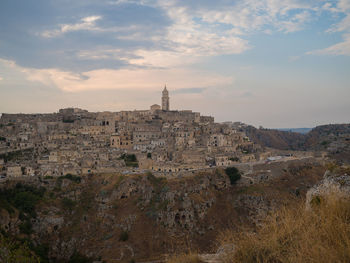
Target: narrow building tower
pixel 165 99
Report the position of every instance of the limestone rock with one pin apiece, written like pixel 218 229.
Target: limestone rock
pixel 332 183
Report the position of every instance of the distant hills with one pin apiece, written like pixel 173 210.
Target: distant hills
pixel 332 138
pixel 297 130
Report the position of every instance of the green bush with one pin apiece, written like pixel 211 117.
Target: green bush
pixel 156 181
pixel 74 178
pixel 41 251
pixel 234 159
pixel 233 173
pixel 124 236
pixel 26 227
pixel 22 197
pixel 13 251
pixel 129 159
pixel 15 155
pixel 68 204
pixel 78 258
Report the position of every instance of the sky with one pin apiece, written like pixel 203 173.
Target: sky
pixel 270 63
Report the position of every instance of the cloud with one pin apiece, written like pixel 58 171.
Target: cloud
pixel 131 79
pixel 86 23
pixel 209 30
pixel 342 7
pixel 342 48
pixel 251 15
pixel 154 33
pixel 293 58
pixel 189 91
pixel 247 94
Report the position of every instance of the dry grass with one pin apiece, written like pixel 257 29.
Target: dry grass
pixel 184 258
pixel 295 234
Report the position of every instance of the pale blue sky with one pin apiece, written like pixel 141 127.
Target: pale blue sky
pixel 275 63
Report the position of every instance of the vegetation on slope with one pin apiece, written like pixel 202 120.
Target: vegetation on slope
pixel 283 140
pixel 184 258
pixel 321 234
pixel 12 251
pixel 317 139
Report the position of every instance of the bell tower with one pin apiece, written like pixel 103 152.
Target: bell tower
pixel 165 99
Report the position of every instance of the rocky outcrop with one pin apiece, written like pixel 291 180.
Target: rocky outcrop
pixel 219 255
pixel 337 182
pixel 257 207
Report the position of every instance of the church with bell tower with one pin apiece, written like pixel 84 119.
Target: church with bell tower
pixel 165 99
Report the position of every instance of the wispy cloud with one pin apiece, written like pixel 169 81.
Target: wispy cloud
pixel 202 31
pixel 189 91
pixel 342 7
pixel 194 31
pixel 252 15
pixel 132 79
pixel 86 23
pixel 342 48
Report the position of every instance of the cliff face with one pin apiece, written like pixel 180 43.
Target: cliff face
pixel 333 139
pixel 282 140
pixel 120 218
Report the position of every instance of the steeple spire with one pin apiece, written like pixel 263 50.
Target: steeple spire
pixel 165 99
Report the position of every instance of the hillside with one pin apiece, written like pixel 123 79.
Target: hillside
pixel 282 140
pixel 332 138
pixel 315 230
pixel 138 218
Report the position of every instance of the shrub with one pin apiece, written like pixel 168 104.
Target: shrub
pixel 78 258
pixel 74 178
pixel 15 155
pixel 68 204
pixel 234 159
pixel 22 197
pixel 13 251
pixel 129 159
pixel 124 236
pixel 233 173
pixel 156 181
pixel 324 143
pixel 26 227
pixel 26 201
pixel 41 250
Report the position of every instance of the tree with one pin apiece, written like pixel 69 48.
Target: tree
pixel 233 173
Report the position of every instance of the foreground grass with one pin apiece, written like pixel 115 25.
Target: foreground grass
pixel 184 258
pixel 320 234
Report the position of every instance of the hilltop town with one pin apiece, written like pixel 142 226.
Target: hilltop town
pixel 75 141
pixel 84 186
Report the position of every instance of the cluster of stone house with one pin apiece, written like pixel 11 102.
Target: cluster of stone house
pixel 80 142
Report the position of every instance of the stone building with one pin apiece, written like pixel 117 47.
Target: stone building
pixel 14 171
pixel 165 100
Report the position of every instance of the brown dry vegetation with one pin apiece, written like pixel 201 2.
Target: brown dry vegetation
pixel 295 234
pixel 184 258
